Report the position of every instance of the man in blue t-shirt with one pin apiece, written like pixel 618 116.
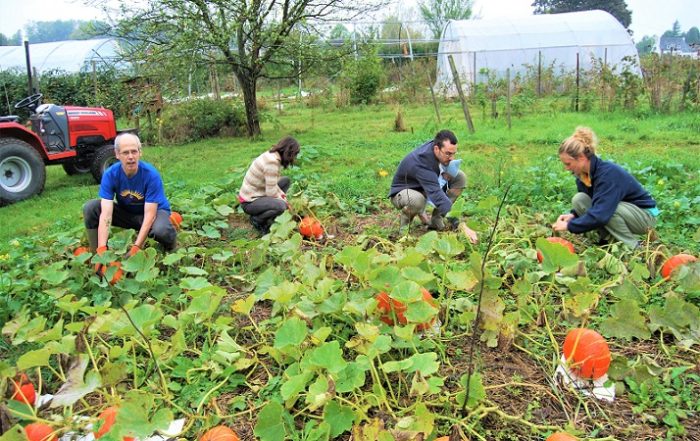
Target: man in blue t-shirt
pixel 131 196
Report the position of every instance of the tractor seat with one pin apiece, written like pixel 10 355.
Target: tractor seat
pixel 9 118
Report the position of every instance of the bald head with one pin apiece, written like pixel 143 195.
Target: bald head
pixel 126 138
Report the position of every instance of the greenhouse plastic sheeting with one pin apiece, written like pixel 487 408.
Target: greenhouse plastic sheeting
pixel 69 56
pixel 495 45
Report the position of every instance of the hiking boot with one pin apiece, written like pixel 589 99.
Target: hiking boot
pixel 437 223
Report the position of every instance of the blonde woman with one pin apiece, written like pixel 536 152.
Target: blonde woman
pixel 609 198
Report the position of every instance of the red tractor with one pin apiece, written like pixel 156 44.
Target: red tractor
pixel 81 139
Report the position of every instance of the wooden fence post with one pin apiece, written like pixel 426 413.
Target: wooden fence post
pixel 458 84
pixel 508 97
pixel 432 94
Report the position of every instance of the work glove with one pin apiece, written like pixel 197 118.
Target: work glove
pixel 133 250
pixel 99 268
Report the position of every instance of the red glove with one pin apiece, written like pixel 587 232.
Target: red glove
pixel 99 270
pixel 133 250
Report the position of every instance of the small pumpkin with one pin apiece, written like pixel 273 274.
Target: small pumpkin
pixel 674 262
pixel 219 433
pixel 560 241
pixel 108 417
pixel 117 275
pixel 80 250
pixel 391 308
pixel 39 432
pixel 24 390
pixel 587 353
pixel 310 227
pixel 561 436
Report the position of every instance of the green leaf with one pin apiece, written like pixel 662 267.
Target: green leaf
pixel 295 385
pixel 677 316
pixel 143 264
pixel 194 283
pixel 628 291
pixel 224 210
pixel 351 378
pixel 417 275
pixel 448 246
pixel 407 292
pixel 340 418
pixel 204 303
pixel 476 390
pixel 328 356
pixel 626 321
pixel 293 332
pixel 16 433
pixel 384 277
pixel 53 273
pixel 30 359
pixel 193 271
pixel 133 419
pixel 244 306
pixel 420 312
pixel 270 424
pixel 425 243
pixel 555 255
pixel 425 363
pixel 319 393
pixel 462 280
pixel 353 257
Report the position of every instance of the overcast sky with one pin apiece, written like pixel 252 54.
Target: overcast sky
pixel 649 17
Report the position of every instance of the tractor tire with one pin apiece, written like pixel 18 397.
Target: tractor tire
pixel 103 159
pixel 22 171
pixel 76 167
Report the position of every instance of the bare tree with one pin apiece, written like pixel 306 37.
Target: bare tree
pixel 247 35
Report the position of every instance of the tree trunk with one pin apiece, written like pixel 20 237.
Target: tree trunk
pixel 249 88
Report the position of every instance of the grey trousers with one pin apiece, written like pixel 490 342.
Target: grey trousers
pixel 412 202
pixel 161 230
pixel 626 225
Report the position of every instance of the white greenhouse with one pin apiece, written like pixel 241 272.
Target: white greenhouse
pixel 493 46
pixel 69 56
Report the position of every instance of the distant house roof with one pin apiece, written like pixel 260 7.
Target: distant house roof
pixel 69 56
pixel 674 44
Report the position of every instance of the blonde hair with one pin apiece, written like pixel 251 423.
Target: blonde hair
pixel 582 142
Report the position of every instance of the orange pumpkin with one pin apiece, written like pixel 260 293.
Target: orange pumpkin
pixel 560 436
pixel 108 417
pixel 175 219
pixel 117 275
pixel 219 433
pixel 80 250
pixel 560 241
pixel 391 308
pixel 674 262
pixel 24 390
pixel 587 353
pixel 39 432
pixel 310 227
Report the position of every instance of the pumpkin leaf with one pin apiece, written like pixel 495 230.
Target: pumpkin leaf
pixel 626 322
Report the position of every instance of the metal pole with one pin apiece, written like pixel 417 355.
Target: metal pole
pixel 508 97
pixel 539 73
pixel 578 80
pixel 30 86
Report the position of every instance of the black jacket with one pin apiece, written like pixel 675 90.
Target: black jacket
pixel 419 171
pixel 610 185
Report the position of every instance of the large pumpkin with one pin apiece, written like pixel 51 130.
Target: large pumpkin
pixel 310 227
pixel 560 241
pixel 587 353
pixel 560 436
pixel 219 433
pixel 674 262
pixel 108 417
pixel 391 308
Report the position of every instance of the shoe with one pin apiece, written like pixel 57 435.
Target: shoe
pixel 437 223
pixel 257 225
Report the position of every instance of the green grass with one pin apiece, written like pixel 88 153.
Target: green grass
pixel 346 148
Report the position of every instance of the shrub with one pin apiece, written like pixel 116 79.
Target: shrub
pixel 201 118
pixel 364 78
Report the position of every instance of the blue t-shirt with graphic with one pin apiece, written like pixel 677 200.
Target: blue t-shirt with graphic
pixel 134 192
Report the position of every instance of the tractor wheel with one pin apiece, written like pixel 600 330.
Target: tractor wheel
pixel 76 167
pixel 22 171
pixel 103 159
